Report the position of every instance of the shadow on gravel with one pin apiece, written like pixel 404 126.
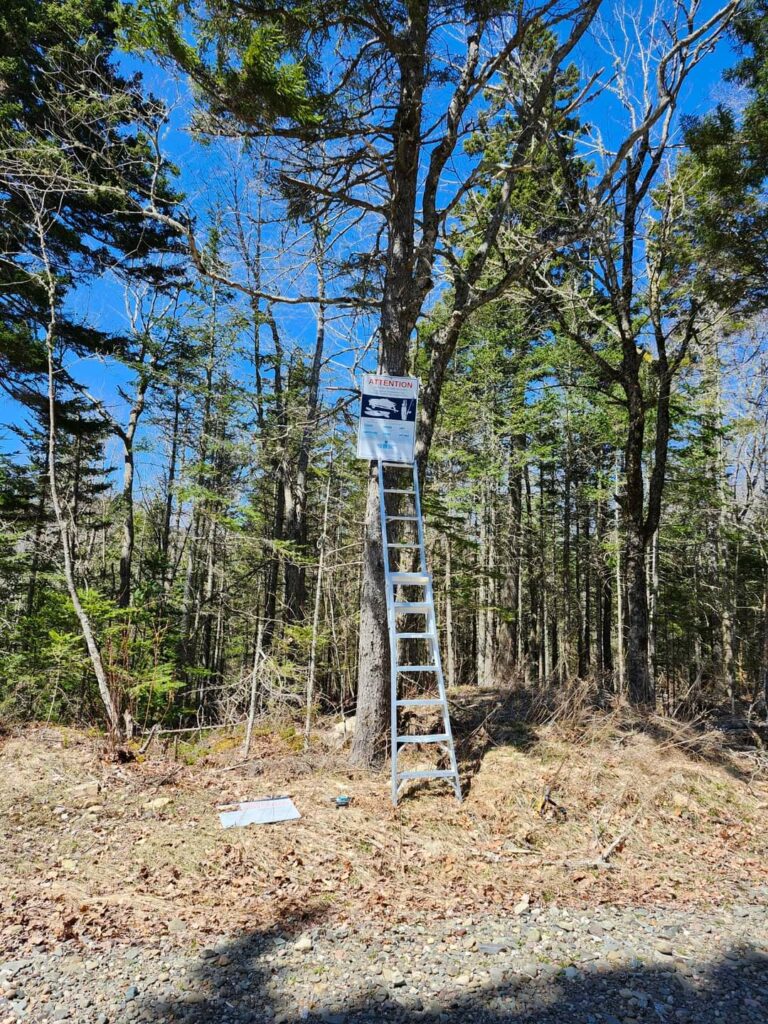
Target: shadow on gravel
pixel 246 981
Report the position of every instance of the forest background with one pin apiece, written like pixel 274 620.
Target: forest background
pixel 216 216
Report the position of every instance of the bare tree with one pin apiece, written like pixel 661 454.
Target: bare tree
pixel 151 316
pixel 42 219
pixel 628 302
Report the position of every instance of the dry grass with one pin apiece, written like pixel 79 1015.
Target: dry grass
pixel 634 812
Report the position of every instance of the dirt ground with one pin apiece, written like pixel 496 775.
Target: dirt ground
pixel 603 812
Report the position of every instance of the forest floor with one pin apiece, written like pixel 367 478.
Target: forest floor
pixel 599 871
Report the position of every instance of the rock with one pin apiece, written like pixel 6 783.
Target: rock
pixel 69 865
pixel 11 968
pixel 522 905
pixel 572 973
pixel 664 947
pixel 492 947
pixel 344 731
pixel 304 944
pixel 596 929
pixel 86 790
pixel 61 1013
pixel 158 803
pixel 131 994
pixel 462 980
pixel 532 935
pixel 393 977
pixel 177 926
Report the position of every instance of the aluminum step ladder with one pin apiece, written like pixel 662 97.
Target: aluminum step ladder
pixel 420 608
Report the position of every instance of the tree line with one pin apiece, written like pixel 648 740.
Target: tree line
pixel 571 263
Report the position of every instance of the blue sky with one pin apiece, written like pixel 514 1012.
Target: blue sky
pixel 102 303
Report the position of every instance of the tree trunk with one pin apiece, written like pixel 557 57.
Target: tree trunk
pixel 640 684
pixel 311 669
pixel 604 592
pixel 640 688
pixel 165 538
pixel 37 540
pixel 653 598
pixel 450 651
pixel 273 567
pixel 128 436
pixel 400 308
pixel 764 647
pixel 373 675
pixel 620 688
pixel 482 592
pixel 126 549
pixel 586 640
pixel 111 707
pixel 296 507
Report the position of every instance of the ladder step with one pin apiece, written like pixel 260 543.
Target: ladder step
pixel 438 737
pixel 430 774
pixel 424 632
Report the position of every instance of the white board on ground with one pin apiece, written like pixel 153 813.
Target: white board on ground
pixel 260 812
pixel 387 426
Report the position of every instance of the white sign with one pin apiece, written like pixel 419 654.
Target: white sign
pixel 387 427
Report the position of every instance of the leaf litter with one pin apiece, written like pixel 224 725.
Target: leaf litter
pixel 103 851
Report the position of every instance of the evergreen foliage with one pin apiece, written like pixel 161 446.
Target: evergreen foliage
pixel 588 337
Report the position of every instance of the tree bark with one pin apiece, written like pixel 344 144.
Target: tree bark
pixel 372 713
pixel 640 688
pixel 311 668
pixel 296 503
pixel 639 527
pixel 128 436
pixel 400 308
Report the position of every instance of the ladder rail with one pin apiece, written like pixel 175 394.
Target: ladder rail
pixel 392 579
pixel 432 628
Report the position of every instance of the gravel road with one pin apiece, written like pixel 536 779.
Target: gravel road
pixel 604 965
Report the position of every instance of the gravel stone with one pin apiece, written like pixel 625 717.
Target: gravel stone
pixel 608 965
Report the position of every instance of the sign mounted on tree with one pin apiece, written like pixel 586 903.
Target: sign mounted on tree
pixel 387 426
